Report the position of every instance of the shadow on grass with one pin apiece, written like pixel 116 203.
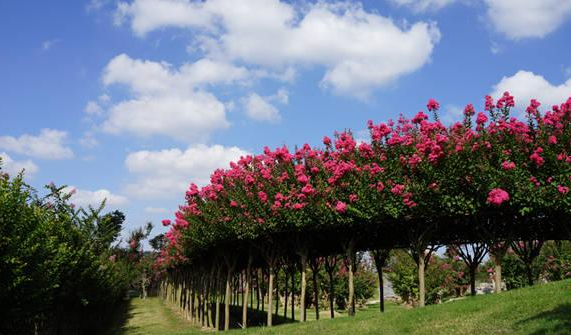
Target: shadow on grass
pixel 255 318
pixel 116 321
pixel 555 321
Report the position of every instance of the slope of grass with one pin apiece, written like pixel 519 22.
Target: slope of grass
pixel 543 309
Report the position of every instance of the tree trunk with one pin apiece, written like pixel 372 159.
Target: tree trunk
pixel 380 256
pixel 497 273
pixel 293 295
pixel 285 292
pixel 277 292
pixel 245 293
pixel 331 295
pixel 421 288
pixel 473 281
pixel 218 289
pixel 270 292
pixel 316 294
pixel 381 290
pixel 257 291
pixel 351 272
pixel 303 285
pixel 227 302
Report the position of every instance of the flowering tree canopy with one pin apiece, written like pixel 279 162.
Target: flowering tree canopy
pixel 495 173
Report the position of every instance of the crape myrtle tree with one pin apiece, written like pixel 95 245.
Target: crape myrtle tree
pixel 415 184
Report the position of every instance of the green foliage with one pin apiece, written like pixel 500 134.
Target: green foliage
pixel 54 261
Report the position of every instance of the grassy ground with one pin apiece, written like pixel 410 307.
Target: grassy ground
pixel 543 309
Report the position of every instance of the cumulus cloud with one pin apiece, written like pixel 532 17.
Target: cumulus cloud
pixel 49 144
pixel 166 100
pixel 526 85
pixel 358 50
pixel 518 19
pixel 13 167
pixel 93 108
pixel 84 198
pixel 167 173
pixel 419 6
pixel 261 108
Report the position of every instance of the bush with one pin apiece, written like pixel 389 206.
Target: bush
pixel 52 280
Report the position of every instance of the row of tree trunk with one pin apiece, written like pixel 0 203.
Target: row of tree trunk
pixel 199 292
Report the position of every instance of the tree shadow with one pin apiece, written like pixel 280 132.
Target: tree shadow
pixel 555 321
pixel 116 323
pixel 256 318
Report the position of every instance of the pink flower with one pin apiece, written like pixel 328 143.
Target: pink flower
pixel 398 189
pixel 133 244
pixel 481 119
pixel 353 198
pixel 497 196
pixel 341 207
pixel 420 116
pixel 552 139
pixel 508 166
pixel 262 196
pixel 233 203
pixel 303 179
pixel 489 103
pixel 469 110
pixel 432 105
pixel 307 189
pixel 562 189
pixel 166 222
pixel 326 141
pixel 536 157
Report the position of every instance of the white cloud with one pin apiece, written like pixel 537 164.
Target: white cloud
pixel 169 101
pixel 49 144
pixel 519 19
pixel 93 108
pixel 525 85
pixel 358 50
pixel 452 114
pixel 13 167
pixel 88 140
pixel 186 118
pixel 156 210
pixel 419 6
pixel 84 198
pixel 167 173
pixel 148 15
pixel 261 108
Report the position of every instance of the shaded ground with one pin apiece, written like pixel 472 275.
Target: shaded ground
pixel 543 309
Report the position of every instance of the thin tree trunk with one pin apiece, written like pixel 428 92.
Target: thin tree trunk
pixel 351 264
pixel 331 295
pixel 293 295
pixel 316 294
pixel 473 281
pixel 286 272
pixel 497 273
pixel 245 294
pixel 218 289
pixel 421 288
pixel 303 285
pixel 270 292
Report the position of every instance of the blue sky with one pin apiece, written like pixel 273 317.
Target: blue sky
pixel 133 100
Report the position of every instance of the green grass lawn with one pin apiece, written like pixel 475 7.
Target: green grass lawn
pixel 543 309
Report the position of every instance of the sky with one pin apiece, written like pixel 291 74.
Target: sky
pixel 131 101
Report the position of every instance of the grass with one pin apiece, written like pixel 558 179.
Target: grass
pixel 542 309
